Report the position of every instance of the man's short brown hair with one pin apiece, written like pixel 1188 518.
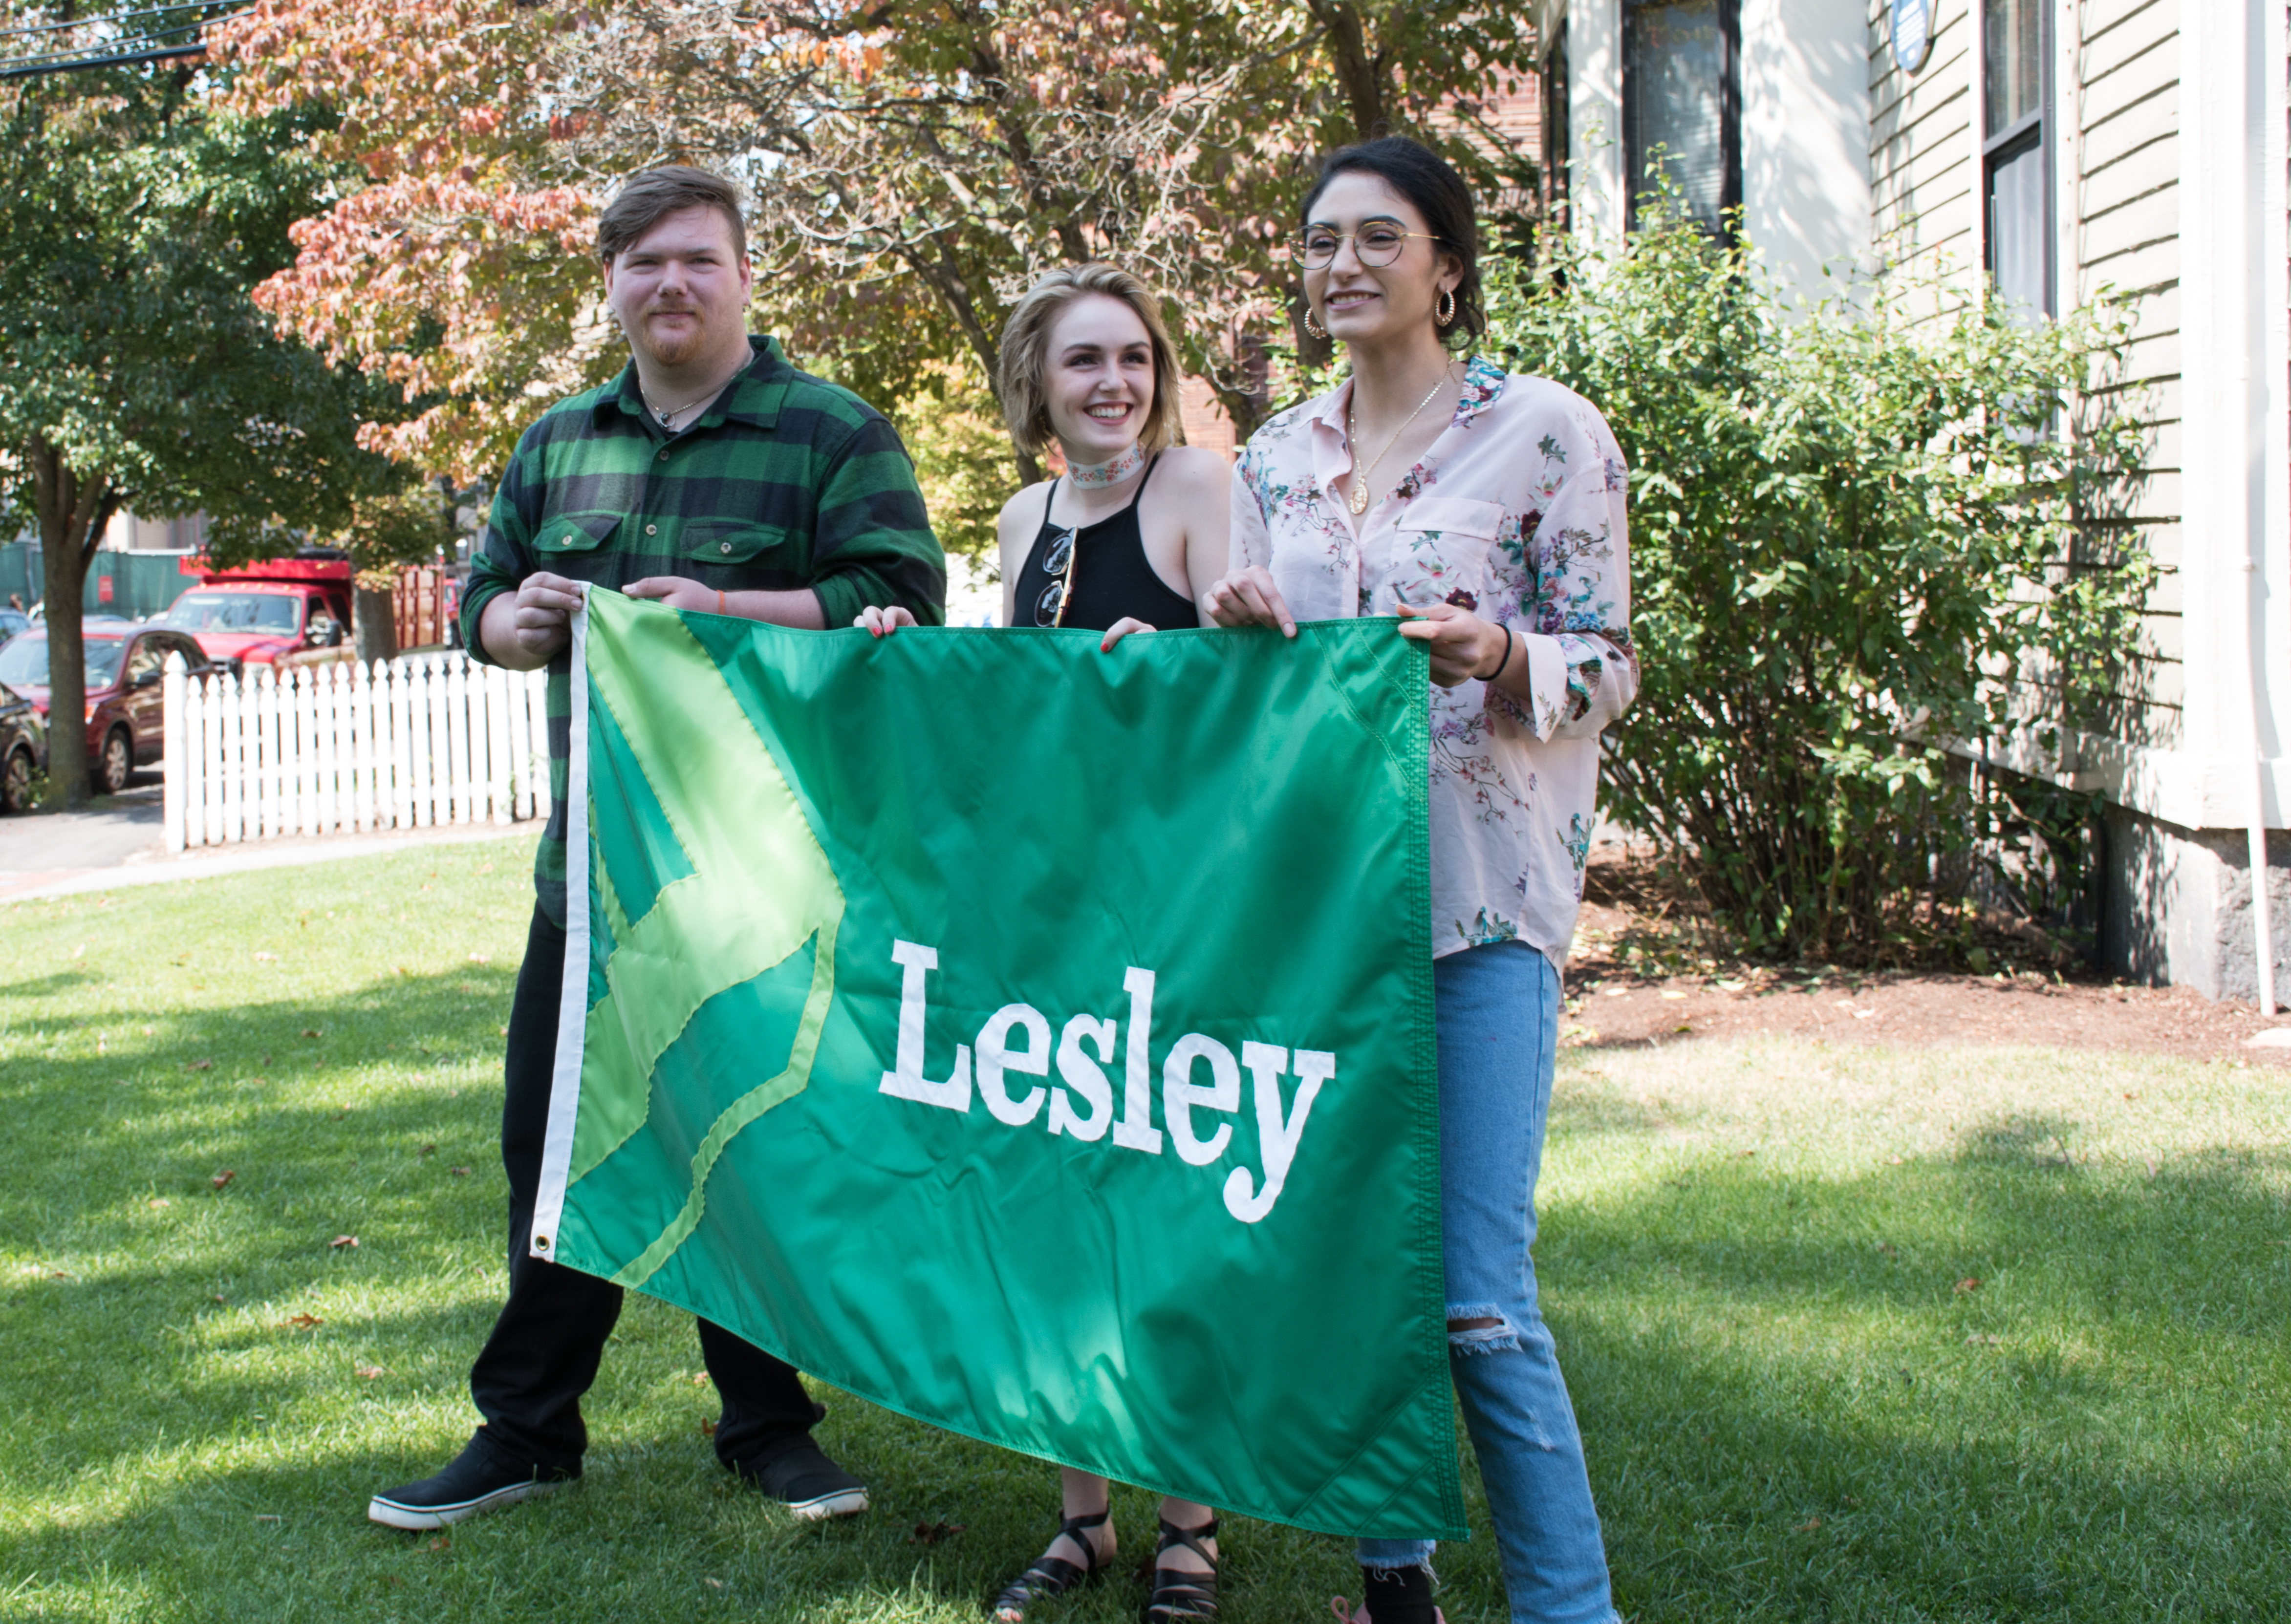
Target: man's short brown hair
pixel 650 195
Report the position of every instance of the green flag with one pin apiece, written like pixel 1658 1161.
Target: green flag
pixel 1035 1042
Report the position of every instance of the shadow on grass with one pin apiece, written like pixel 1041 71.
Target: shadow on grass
pixel 2002 1385
pixel 1794 1406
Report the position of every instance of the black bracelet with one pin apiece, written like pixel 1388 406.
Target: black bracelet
pixel 1498 671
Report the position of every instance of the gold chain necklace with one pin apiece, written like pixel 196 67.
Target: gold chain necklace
pixel 1359 499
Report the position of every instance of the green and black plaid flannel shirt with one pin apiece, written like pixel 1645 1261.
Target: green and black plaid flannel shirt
pixel 787 481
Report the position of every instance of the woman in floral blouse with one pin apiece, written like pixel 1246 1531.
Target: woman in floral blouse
pixel 1486 509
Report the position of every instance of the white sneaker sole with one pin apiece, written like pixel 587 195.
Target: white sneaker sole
pixel 391 1513
pixel 842 1503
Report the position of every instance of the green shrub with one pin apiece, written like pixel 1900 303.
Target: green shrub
pixel 1859 532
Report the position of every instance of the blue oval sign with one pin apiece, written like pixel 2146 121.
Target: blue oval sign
pixel 1912 33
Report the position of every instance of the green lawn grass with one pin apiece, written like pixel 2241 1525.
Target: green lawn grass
pixel 1752 1258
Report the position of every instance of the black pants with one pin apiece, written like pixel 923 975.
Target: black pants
pixel 544 1351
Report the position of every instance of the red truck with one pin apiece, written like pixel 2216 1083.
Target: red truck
pixel 258 613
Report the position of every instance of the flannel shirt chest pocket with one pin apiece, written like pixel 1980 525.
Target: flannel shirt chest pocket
pixel 1445 549
pixel 738 541
pixel 564 534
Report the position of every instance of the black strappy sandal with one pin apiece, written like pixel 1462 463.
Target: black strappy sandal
pixel 1053 1575
pixel 1177 1593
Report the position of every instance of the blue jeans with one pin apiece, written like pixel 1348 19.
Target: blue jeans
pixel 1497 1013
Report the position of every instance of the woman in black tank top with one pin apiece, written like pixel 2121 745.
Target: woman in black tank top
pixel 1124 541
pixel 1094 575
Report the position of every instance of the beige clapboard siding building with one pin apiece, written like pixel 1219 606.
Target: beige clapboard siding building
pixel 2059 150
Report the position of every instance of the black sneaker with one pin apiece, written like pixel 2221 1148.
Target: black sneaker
pixel 478 1479
pixel 798 1475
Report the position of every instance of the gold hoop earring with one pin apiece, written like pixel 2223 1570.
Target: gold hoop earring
pixel 1318 332
pixel 1446 313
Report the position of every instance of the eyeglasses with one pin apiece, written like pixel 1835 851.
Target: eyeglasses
pixel 1378 243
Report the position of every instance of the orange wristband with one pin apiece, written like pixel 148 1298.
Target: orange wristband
pixel 719 600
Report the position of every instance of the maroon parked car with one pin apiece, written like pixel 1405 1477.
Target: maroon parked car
pixel 125 724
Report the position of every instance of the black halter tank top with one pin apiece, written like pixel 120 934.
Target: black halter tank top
pixel 1112 577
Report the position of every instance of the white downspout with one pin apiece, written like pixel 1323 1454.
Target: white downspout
pixel 2262 927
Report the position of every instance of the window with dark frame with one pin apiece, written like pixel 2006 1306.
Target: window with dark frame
pixel 2017 152
pixel 1555 123
pixel 1683 94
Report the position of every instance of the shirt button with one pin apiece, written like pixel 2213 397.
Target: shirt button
pixel 652 529
pixel 726 546
pixel 664 453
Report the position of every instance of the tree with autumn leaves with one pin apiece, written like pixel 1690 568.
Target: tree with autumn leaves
pixel 913 164
pixel 137 216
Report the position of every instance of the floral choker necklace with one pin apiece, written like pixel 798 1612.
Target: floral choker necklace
pixel 1113 471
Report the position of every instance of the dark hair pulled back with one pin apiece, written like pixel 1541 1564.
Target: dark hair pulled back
pixel 1438 193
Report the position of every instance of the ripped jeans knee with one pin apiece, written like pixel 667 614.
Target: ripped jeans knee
pixel 1480 1328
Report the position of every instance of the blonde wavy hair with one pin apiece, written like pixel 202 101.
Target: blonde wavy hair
pixel 1025 353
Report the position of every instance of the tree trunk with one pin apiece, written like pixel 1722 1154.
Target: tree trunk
pixel 1360 71
pixel 74 509
pixel 374 627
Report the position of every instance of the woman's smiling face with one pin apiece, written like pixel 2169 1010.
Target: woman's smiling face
pixel 1098 377
pixel 1363 303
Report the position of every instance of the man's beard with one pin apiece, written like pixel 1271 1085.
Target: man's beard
pixel 676 350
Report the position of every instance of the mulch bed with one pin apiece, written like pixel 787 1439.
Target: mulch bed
pixel 1638 978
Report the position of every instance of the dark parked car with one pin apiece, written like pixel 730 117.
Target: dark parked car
pixel 125 725
pixel 23 750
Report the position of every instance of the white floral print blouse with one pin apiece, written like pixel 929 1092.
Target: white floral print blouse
pixel 1516 513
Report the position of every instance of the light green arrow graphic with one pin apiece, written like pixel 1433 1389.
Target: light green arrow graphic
pixel 760 887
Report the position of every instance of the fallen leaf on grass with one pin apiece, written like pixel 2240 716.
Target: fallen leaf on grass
pixel 159 1200
pixel 443 1542
pixel 198 1065
pixel 265 1516
pixel 223 1178
pixel 1892 1162
pixel 1969 1284
pixel 312 1031
pixel 303 1321
pixel 220 1297
pixel 460 1173
pixel 707 1429
pixel 2152 1167
pixel 369 1372
pixel 1977 1339
pixel 266 958
pixel 1809 1525
pixel 932 1533
pixel 481 958
pixel 429 1150
pixel 150 1032
pixel 699 1378
pixel 339 1242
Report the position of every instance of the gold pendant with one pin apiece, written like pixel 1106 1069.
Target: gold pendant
pixel 1358 501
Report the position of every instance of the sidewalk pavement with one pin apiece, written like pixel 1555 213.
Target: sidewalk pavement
pixel 117 841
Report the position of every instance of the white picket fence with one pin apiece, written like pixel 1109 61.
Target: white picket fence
pixel 399 745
